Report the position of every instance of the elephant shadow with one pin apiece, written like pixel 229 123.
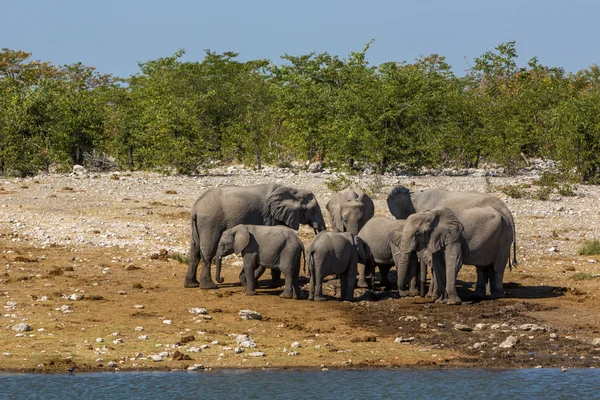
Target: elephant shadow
pixel 514 290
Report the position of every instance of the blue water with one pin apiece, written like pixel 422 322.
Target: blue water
pixel 276 384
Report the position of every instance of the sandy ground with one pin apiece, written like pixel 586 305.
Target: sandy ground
pixel 82 270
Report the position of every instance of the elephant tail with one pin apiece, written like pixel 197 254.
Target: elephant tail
pixel 311 263
pixel 514 247
pixel 304 262
pixel 195 247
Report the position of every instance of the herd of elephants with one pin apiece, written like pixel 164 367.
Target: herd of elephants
pixel 433 228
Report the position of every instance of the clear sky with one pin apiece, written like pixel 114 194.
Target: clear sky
pixel 114 35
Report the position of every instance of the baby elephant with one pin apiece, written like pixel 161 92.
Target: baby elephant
pixel 335 253
pixel 264 246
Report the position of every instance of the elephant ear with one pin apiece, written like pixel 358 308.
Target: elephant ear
pixel 395 236
pixel 362 247
pixel 335 213
pixel 444 229
pixel 241 238
pixel 399 202
pixel 369 207
pixel 285 207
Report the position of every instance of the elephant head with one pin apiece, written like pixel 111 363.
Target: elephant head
pixel 350 210
pixel 434 231
pixel 400 203
pixel 234 240
pixel 292 207
pixel 363 250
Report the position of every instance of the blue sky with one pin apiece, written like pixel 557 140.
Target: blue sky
pixel 114 35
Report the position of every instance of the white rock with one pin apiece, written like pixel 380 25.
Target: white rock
pixel 205 346
pixel 480 327
pixel 463 328
pixel 194 350
pixel 167 322
pixel 79 170
pixel 257 354
pixel 479 345
pixel 156 357
pixel 596 342
pixel 7 354
pixel 198 310
pixel 118 341
pixel 74 296
pixel 139 328
pixel 409 318
pixel 510 342
pixel 249 314
pixel 317 166
pixel 401 339
pixel 112 364
pixel 143 337
pixel 196 367
pixel 22 327
pixel 294 353
pixel 99 340
pixel 238 350
pixel 115 333
pixel 532 327
pixel 138 306
pixel 296 345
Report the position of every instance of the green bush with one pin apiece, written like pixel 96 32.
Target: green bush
pixel 514 191
pixel 542 193
pixel 590 248
pixel 581 276
pixel 339 182
pixel 181 258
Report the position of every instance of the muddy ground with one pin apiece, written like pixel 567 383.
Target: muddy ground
pixel 86 266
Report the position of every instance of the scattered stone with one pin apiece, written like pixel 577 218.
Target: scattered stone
pixel 532 327
pixel 196 367
pixel 118 341
pixel 22 327
pixel 401 339
pixel 245 341
pixel 294 353
pixel 408 318
pixel 143 337
pixel 463 328
pixel 553 249
pixel 139 306
pixel 479 345
pixel 198 310
pixel 495 326
pixel 122 292
pixel 131 267
pixel 205 346
pixel 238 350
pixel 115 333
pixel 167 322
pixel 156 357
pixel 296 345
pixel 99 340
pixel 194 350
pixel 249 314
pixel 179 356
pixel 596 342
pixel 480 327
pixel 315 167
pixel 214 342
pixel 74 296
pixel 79 170
pixel 553 335
pixel 510 342
pixel 187 339
pixel 139 328
pixel 257 354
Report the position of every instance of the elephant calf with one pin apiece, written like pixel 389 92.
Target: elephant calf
pixel 264 246
pixel 335 253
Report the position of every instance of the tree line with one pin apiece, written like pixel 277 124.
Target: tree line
pixel 182 116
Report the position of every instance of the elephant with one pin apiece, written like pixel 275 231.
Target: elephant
pixel 378 233
pixel 480 236
pixel 222 208
pixel 263 247
pixel 332 253
pixel 402 202
pixel 349 210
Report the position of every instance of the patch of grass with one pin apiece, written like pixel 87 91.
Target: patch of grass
pixel 513 191
pixel 581 276
pixel 374 187
pixel 543 193
pixel 339 182
pixel 181 258
pixel 590 248
pixel 284 164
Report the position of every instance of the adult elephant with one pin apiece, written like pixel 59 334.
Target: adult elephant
pixel 222 208
pixel 480 236
pixel 349 210
pixel 402 203
pixel 383 235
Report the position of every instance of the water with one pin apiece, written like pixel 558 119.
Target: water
pixel 275 384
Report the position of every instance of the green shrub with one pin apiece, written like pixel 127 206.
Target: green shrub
pixel 182 258
pixel 543 193
pixel 339 182
pixel 580 276
pixel 513 191
pixel 284 164
pixel 590 248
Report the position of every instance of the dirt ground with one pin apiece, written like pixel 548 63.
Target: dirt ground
pixel 82 267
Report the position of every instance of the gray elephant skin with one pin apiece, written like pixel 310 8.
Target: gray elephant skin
pixel 335 253
pixel 349 210
pixel 383 235
pixel 480 236
pixel 222 208
pixel 263 247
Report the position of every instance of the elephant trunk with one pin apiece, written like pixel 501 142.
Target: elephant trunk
pixel 218 263
pixel 423 278
pixel 406 248
pixel 352 227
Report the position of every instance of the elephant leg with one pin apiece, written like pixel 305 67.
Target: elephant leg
pixel 190 277
pixel 412 276
pixel 480 286
pixel 319 277
pixel 433 286
pixel 348 281
pixel 439 273
pixel 363 270
pixel 311 284
pixel 250 264
pixel 276 280
pixel 497 276
pixel 384 271
pixel 453 257
pixel 288 289
pixel 208 251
